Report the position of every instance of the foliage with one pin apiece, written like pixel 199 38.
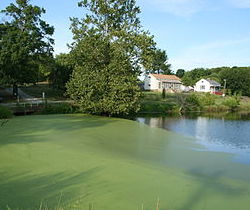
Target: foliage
pixel 191 77
pixel 192 102
pixel 110 48
pixel 160 63
pixel 237 78
pixel 216 108
pixel 232 102
pixel 25 42
pixel 5 113
pixel 207 99
pixel 61 108
pixel 37 90
pixel 102 88
pixel 62 71
pixel 151 96
pixel 45 68
pixel 157 107
pixel 188 102
pixel 163 93
pixel 180 73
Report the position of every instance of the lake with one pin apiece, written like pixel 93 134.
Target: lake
pixel 79 161
pixel 228 133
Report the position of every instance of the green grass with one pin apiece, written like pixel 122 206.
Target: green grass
pixel 74 161
pixel 152 102
pixel 5 113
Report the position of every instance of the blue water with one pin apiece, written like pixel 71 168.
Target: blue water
pixel 229 133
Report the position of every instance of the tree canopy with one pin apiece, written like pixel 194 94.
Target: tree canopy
pixel 160 63
pixel 110 49
pixel 60 74
pixel 180 73
pixel 237 78
pixel 25 42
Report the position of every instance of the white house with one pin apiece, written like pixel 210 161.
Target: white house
pixel 157 82
pixel 208 86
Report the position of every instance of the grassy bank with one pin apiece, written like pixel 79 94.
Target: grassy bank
pixel 153 103
pixel 37 90
pixel 74 161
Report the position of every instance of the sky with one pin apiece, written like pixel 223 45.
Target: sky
pixel 194 33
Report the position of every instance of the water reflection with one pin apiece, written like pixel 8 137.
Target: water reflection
pixel 225 133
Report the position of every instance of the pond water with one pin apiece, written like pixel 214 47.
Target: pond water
pixel 73 161
pixel 228 133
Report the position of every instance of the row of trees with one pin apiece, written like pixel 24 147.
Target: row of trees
pixel 110 50
pixel 237 78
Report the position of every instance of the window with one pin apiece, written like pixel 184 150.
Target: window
pixel 159 85
pixel 202 87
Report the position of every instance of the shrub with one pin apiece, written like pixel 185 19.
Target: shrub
pixel 151 96
pixel 192 103
pixel 157 107
pixel 163 93
pixel 216 108
pixel 5 113
pixel 207 99
pixel 63 108
pixel 231 102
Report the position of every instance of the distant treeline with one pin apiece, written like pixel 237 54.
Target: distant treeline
pixel 237 78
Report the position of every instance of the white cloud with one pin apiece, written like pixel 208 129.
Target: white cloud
pixel 240 3
pixel 214 54
pixel 177 7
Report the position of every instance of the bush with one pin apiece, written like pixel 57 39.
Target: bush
pixel 151 96
pixel 216 108
pixel 207 99
pixel 157 107
pixel 231 102
pixel 164 93
pixel 63 108
pixel 5 113
pixel 192 103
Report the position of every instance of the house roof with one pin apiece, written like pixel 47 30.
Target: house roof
pixel 166 77
pixel 213 83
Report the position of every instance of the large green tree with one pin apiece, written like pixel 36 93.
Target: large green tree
pixel 25 42
pixel 110 50
pixel 191 77
pixel 160 63
pixel 237 79
pixel 60 74
pixel 180 73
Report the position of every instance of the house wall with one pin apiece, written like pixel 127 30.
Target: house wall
pixel 199 84
pixel 151 83
pixel 171 86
